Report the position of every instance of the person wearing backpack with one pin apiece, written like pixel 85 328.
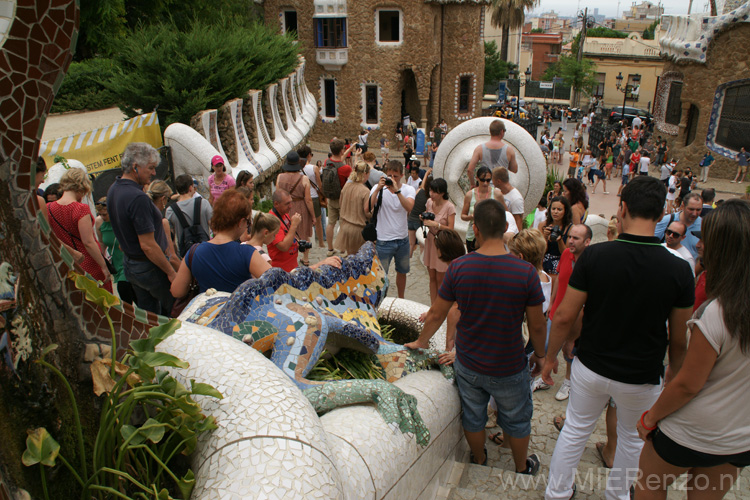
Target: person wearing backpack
pixel 188 205
pixel 333 177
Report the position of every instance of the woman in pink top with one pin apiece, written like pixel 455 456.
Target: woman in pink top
pixel 219 181
pixel 445 217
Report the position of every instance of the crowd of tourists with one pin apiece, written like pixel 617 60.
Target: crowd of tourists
pixel 516 292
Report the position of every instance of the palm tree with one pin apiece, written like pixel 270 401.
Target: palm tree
pixel 508 15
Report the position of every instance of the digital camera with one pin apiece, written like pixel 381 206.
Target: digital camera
pixel 304 245
pixel 428 216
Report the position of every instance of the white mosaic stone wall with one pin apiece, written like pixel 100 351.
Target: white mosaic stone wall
pixel 688 37
pixel 7 14
pixel 192 152
pixel 271 444
pixel 458 145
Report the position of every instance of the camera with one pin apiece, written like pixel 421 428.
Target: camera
pixel 427 216
pixel 555 233
pixel 304 245
pixel 388 181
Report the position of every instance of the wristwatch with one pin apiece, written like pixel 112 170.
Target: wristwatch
pixel 398 192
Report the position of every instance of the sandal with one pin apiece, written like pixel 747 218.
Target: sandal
pixel 600 449
pixel 305 263
pixel 559 422
pixel 497 438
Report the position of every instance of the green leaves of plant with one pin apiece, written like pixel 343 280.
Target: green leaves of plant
pixel 41 448
pixel 205 390
pixel 152 430
pixel 155 336
pixel 94 293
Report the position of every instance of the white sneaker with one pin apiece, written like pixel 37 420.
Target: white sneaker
pixel 564 391
pixel 539 385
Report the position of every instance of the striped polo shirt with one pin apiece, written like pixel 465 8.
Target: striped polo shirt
pixel 492 292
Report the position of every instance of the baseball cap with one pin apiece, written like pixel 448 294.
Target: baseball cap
pixel 216 160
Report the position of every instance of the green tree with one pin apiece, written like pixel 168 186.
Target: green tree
pixel 495 68
pixel 508 15
pixel 104 23
pixel 183 72
pixel 596 32
pixel 537 30
pixel 650 32
pixel 580 76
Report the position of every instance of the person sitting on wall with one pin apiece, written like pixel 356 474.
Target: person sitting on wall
pixel 493 153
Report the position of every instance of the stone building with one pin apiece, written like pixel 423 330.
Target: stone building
pixel 370 62
pixel 703 95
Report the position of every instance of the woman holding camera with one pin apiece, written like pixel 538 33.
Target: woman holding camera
pixel 355 210
pixel 555 230
pixel 440 214
pixel 474 196
pixel 294 181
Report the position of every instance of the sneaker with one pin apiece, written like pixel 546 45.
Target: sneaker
pixel 564 391
pixel 606 192
pixel 331 253
pixel 532 465
pixel 732 182
pixel 539 385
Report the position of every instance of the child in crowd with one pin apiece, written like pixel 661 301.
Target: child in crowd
pixel 264 230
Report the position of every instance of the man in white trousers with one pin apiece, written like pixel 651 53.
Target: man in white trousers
pixel 620 353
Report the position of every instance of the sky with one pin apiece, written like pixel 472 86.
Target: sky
pixel 609 9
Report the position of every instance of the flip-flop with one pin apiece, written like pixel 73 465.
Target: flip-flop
pixel 497 438
pixel 559 422
pixel 600 449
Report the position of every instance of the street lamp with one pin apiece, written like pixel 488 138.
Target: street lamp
pixel 521 83
pixel 627 88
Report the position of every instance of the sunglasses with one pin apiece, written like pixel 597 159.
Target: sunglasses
pixel 487 180
pixel 673 234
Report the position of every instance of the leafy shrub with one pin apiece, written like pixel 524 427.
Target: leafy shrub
pixel 202 67
pixel 83 87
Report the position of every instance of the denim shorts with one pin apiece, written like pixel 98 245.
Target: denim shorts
pixel 512 395
pixel 394 249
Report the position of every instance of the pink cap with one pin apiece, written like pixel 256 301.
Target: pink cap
pixel 216 160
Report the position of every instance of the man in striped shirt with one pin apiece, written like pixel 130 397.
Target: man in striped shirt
pixel 493 290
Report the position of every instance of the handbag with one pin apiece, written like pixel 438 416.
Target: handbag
pixel 370 231
pixel 321 197
pixel 181 303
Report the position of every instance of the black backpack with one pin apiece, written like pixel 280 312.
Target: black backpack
pixel 329 177
pixel 191 234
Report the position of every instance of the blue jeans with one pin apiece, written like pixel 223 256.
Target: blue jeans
pixel 512 395
pixel 394 249
pixel 150 285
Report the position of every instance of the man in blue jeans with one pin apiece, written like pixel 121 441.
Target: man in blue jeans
pixel 493 290
pixel 393 228
pixel 137 224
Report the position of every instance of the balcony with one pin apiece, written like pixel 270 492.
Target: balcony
pixel 550 58
pixel 332 59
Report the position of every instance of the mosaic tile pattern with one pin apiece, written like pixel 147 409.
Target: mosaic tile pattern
pixel 688 37
pixel 293 314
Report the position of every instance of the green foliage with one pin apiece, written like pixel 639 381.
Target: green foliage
pixel 183 72
pixel 83 87
pixel 349 364
pixel 596 32
pixel 149 419
pixel 650 32
pixel 494 67
pixel 537 30
pixel 580 76
pixel 105 23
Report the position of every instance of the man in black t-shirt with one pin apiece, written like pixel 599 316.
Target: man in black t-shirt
pixel 137 224
pixel 619 355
